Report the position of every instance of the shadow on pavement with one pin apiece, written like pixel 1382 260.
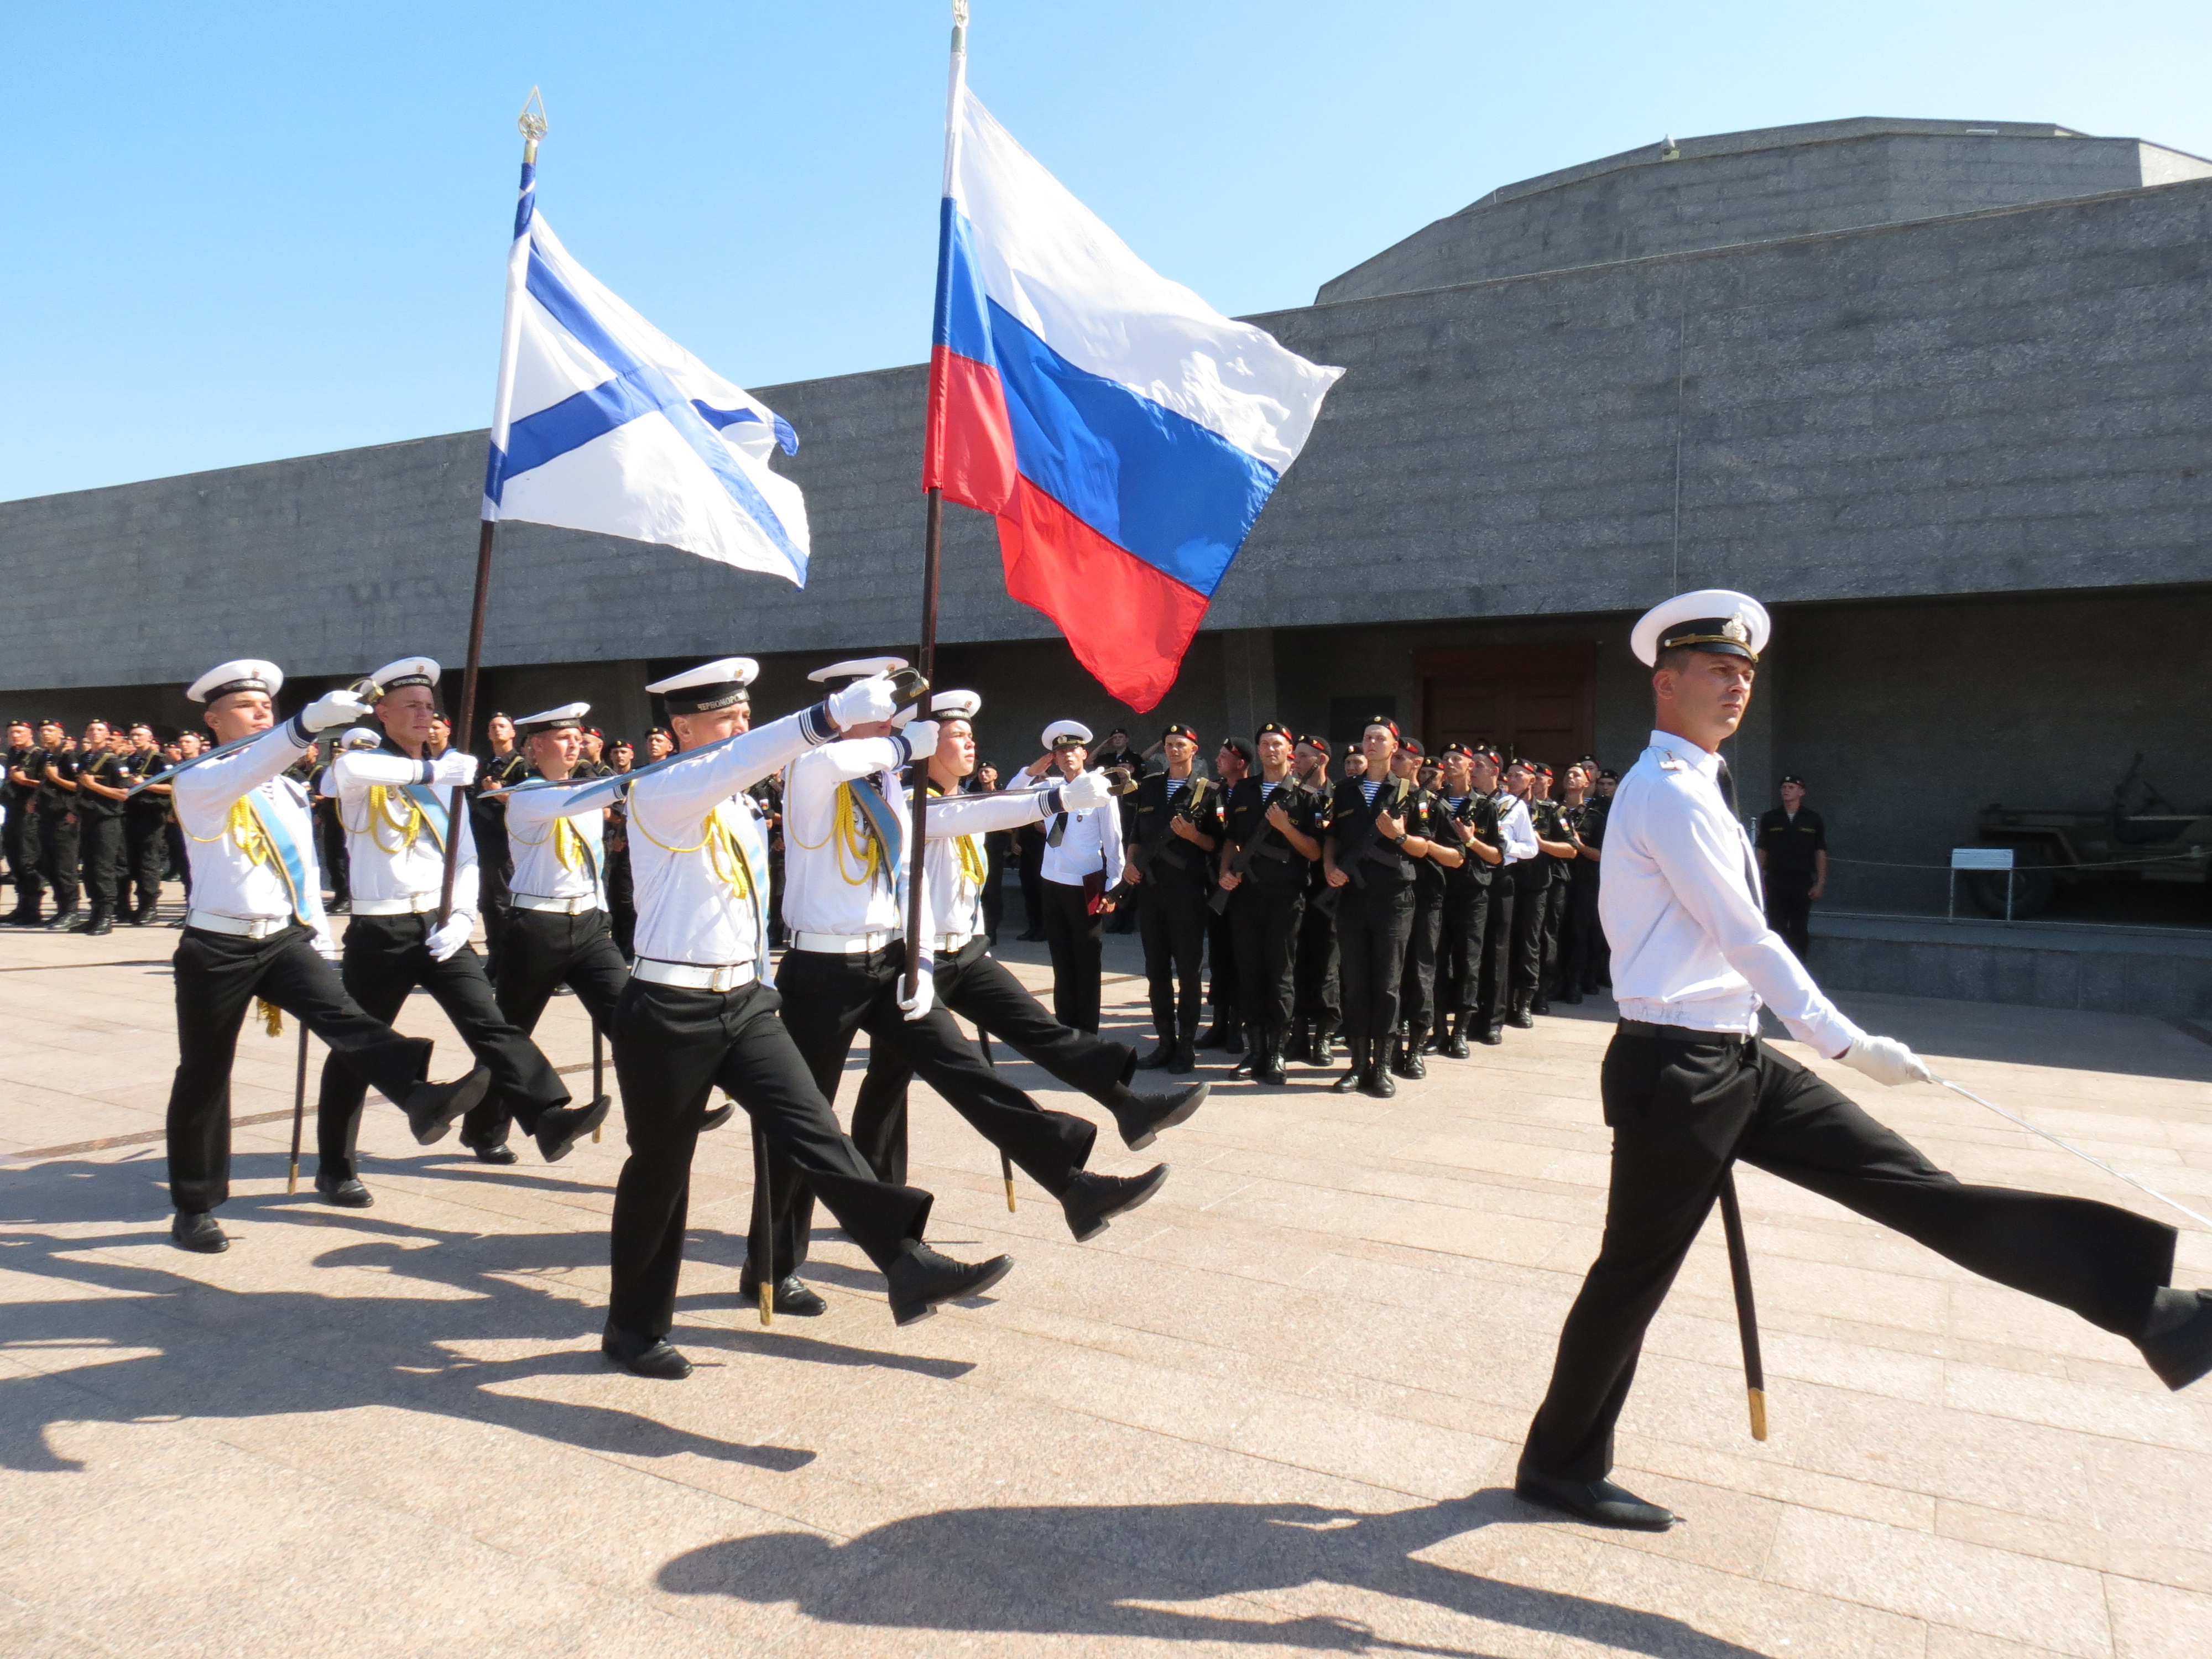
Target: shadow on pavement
pixel 1086 1571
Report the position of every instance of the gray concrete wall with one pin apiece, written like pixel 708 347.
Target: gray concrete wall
pixel 1756 187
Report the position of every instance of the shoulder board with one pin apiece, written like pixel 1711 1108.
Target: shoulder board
pixel 1673 763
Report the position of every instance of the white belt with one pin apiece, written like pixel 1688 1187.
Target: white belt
pixel 567 907
pixel 843 944
pixel 413 904
pixel 696 976
pixel 260 928
pixel 951 945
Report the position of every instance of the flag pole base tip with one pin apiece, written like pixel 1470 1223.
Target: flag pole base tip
pixel 767 1303
pixel 1757 1413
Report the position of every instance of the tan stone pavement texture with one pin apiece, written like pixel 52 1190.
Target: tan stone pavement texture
pixel 1275 1412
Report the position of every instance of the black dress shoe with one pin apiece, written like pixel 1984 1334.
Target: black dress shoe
pixel 1092 1201
pixel 921 1279
pixel 1455 1045
pixel 718 1117
pixel 500 1153
pixel 196 1230
pixel 1491 1035
pixel 1519 1019
pixel 561 1128
pixel 2181 1351
pixel 1185 1061
pixel 1141 1121
pixel 790 1296
pixel 1349 1084
pixel 1598 1501
pixel 1215 1036
pixel 348 1194
pixel 432 1108
pixel 1162 1054
pixel 1375 1081
pixel 644 1355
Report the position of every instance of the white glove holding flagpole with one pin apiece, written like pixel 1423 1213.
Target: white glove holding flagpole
pixel 1080 793
pixel 454 769
pixel 334 708
pixel 924 998
pixel 864 702
pixel 1886 1061
pixel 921 738
pixel 447 941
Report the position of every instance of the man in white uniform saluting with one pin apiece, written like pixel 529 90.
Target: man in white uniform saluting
pixel 1688 1088
pixel 256 928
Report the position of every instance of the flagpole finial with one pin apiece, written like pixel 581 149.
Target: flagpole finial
pixel 532 123
pixel 959 25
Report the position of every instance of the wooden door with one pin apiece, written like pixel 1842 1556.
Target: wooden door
pixel 1538 701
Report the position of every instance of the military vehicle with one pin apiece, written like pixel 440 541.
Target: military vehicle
pixel 2141 837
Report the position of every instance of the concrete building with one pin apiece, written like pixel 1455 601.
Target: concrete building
pixel 1940 392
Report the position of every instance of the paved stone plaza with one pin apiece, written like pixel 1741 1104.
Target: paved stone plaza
pixel 1274 1411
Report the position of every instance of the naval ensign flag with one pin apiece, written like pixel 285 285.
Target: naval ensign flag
pixel 603 423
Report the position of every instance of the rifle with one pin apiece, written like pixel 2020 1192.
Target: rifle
pixel 1241 865
pixel 1143 854
pixel 1350 862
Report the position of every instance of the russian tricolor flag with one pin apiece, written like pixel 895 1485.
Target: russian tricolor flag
pixel 1124 433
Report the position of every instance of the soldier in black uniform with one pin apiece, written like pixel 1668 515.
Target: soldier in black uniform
pixel 1793 863
pixel 19 795
pixel 1417 990
pixel 57 837
pixel 102 782
pixel 1174 826
pixel 1468 940
pixel 1532 892
pixel 1547 815
pixel 1231 763
pixel 1582 940
pixel 1316 1010
pixel 768 791
pixel 1370 857
pixel 1272 828
pixel 1115 755
pixel 145 829
pixel 504 766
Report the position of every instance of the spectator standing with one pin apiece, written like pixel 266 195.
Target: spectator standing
pixel 1793 864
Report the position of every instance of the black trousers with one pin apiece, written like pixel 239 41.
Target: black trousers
pixel 99 858
pixel 976 986
pixel 1221 977
pixel 1171 917
pixel 1555 919
pixel 180 863
pixel 1532 896
pixel 217 976
pixel 23 846
pixel 1790 907
pixel 146 855
pixel 336 858
pixel 1264 922
pixel 1316 999
pixel 1072 935
pixel 1582 939
pixel 994 885
pixel 1681 1107
pixel 1372 923
pixel 384 959
pixel 1470 936
pixel 622 900
pixel 1028 851
pixel 1417 989
pixel 57 857
pixel 672 1048
pixel 830 999
pixel 543 951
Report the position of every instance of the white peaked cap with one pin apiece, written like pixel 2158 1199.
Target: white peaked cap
pixel 240 674
pixel 568 713
pixel 710 686
pixel 856 668
pixel 1062 731
pixel 956 705
pixel 408 671
pixel 1717 619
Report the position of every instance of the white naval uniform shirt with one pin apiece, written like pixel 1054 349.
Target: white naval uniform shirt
pixel 1516 835
pixel 1681 906
pixel 224 880
pixel 687 825
pixel 391 870
pixel 1091 842
pixel 829 884
pixel 559 853
pixel 955 897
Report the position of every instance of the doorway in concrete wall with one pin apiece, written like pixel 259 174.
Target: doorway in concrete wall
pixel 1540 701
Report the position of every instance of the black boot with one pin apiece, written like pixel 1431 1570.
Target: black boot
pixel 1163 1054
pixel 1376 1080
pixel 1455 1045
pixel 1520 1017
pixel 103 920
pixel 1492 1033
pixel 1355 1070
pixel 1411 1066
pixel 1270 1070
pixel 65 921
pixel 28 913
pixel 1300 1046
pixel 1572 994
pixel 1233 1041
pixel 1215 1036
pixel 1324 1045
pixel 1184 1062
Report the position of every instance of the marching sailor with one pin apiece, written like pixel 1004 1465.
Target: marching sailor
pixel 846 862
pixel 967 980
pixel 556 932
pixel 256 928
pixel 1689 1087
pixel 696 1014
pixel 394 802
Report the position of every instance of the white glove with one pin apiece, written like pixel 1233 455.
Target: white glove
pixel 447 941
pixel 863 702
pixel 1090 789
pixel 333 708
pixel 924 998
pixel 326 947
pixel 921 738
pixel 1886 1061
pixel 454 768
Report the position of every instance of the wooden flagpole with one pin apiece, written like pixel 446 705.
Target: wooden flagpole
pixel 532 125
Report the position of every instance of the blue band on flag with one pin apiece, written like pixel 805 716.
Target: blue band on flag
pixel 528 204
pixel 787 437
pixel 638 389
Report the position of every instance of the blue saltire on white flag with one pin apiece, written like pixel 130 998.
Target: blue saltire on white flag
pixel 605 423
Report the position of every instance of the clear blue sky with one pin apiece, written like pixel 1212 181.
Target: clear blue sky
pixel 251 230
